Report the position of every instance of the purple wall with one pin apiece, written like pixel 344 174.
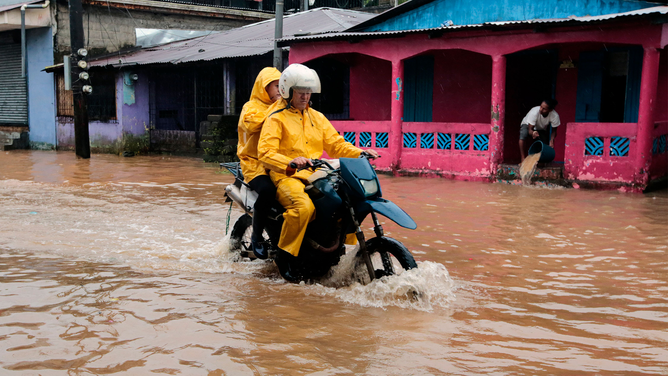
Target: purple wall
pixel 131 118
pixel 134 117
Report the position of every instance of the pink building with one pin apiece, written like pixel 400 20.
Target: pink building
pixel 448 100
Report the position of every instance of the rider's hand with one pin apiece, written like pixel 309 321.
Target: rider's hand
pixel 374 154
pixel 297 164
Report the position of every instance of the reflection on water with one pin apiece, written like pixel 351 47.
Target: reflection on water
pixel 119 266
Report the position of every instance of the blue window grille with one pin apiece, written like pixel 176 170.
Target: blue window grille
pixel 481 142
pixel 594 146
pixel 410 140
pixel 350 137
pixel 619 146
pixel 381 140
pixel 427 141
pixel 365 139
pixel 659 145
pixel 462 141
pixel 444 141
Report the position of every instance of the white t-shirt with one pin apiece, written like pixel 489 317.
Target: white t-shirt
pixel 536 119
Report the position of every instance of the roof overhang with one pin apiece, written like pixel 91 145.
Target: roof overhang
pixel 10 16
pixel 655 15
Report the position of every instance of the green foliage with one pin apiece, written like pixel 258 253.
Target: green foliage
pixel 219 142
pixel 131 144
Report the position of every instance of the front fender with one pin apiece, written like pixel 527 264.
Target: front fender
pixel 393 212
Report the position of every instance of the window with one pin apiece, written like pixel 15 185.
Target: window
pixel 65 104
pixel 101 103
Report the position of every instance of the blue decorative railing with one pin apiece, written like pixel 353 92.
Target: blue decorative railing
pixel 594 146
pixel 365 140
pixel 444 141
pixel 350 137
pixel 481 142
pixel 381 140
pixel 410 140
pixel 427 141
pixel 619 146
pixel 462 141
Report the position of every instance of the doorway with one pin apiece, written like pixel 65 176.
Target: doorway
pixel 530 78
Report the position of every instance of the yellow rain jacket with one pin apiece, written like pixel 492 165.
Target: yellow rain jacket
pixel 289 134
pixel 252 117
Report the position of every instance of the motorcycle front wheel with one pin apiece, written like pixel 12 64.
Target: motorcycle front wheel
pixel 388 257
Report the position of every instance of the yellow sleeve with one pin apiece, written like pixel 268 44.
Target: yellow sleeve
pixel 270 141
pixel 253 118
pixel 335 145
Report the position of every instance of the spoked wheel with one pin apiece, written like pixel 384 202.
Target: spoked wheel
pixel 388 256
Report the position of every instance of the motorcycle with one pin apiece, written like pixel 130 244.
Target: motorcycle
pixel 344 192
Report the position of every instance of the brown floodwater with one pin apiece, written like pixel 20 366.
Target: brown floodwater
pixel 120 266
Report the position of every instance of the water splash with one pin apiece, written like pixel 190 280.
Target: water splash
pixel 424 288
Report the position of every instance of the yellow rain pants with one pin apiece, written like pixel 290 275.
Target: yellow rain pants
pixel 251 119
pixel 289 134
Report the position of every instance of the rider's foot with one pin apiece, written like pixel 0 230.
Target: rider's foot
pixel 284 261
pixel 259 249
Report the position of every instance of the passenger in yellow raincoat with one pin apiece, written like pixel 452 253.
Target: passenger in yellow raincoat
pixel 296 133
pixel 264 94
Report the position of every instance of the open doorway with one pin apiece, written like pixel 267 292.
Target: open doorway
pixel 530 78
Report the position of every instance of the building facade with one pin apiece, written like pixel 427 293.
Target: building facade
pixel 440 87
pixel 29 105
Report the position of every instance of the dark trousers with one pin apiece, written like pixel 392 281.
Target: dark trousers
pixel 266 194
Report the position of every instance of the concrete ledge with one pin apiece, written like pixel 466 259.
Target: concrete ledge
pixel 549 174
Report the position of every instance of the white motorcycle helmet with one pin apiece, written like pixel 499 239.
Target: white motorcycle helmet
pixel 298 76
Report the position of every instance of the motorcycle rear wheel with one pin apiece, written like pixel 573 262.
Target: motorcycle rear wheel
pixel 240 238
pixel 384 247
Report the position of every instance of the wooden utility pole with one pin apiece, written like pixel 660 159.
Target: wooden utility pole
pixel 81 136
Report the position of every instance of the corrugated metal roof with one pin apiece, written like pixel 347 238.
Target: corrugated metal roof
pixel 6 5
pixel 344 35
pixel 250 40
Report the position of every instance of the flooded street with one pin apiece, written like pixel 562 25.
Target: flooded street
pixel 120 266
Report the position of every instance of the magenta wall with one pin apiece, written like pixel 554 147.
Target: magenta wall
pixel 603 168
pixel 371 83
pixel 370 87
pixel 462 87
pixel 566 94
pixel 661 108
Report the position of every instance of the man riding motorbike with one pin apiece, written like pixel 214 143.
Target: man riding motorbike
pixel 292 135
pixel 254 113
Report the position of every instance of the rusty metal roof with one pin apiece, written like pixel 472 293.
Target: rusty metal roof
pixel 250 40
pixel 659 10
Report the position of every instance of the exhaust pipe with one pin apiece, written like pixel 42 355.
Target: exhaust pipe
pixel 235 194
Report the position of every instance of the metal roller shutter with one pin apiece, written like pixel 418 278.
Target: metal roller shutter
pixel 13 93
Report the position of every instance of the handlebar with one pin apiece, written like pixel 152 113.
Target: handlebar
pixel 366 155
pixel 315 163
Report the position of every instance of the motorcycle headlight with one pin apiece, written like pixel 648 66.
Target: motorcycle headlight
pixel 370 187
